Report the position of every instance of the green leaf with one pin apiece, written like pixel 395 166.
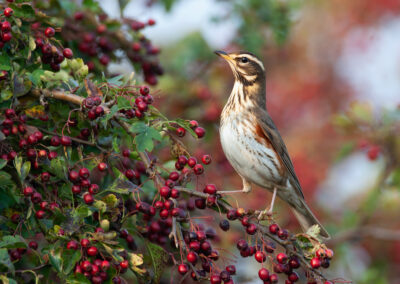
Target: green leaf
pixel 35 76
pixel 6 261
pixel 122 185
pixel 12 242
pixel 6 280
pixel 117 80
pixel 55 257
pixel 6 94
pixel 110 200
pixel 70 257
pixel 22 169
pixel 123 103
pixel 144 136
pixel 158 258
pixel 57 167
pixel 20 86
pixel 82 211
pixel 3 163
pixel 5 179
pixel 77 278
pixel 92 5
pixel 5 62
pixel 24 11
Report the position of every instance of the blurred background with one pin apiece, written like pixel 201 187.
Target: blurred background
pixel 333 89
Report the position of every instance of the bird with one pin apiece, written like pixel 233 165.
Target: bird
pixel 252 143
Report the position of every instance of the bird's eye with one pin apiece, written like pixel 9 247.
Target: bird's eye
pixel 244 59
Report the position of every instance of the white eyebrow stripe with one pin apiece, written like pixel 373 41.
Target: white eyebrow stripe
pixel 258 61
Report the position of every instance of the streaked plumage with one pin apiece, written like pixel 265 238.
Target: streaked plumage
pixel 251 141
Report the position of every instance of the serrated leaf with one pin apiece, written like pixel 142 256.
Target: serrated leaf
pixel 6 94
pixel 35 76
pixel 5 62
pixel 145 136
pixel 123 103
pixel 122 185
pixel 6 261
pixel 117 80
pixel 70 257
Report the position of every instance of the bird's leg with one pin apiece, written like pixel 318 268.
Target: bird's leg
pixel 271 207
pixel 246 188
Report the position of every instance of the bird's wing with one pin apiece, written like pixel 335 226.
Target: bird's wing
pixel 271 133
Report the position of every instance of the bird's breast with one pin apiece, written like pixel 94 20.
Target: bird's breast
pixel 251 158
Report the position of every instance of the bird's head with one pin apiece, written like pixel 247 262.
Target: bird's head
pixel 246 67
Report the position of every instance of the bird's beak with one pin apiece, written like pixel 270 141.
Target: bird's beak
pixel 224 55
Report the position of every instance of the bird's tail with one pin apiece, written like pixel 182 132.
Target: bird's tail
pixel 307 219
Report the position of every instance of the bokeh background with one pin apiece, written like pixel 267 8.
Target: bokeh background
pixel 333 89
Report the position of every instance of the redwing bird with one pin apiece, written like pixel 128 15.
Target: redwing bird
pixel 252 143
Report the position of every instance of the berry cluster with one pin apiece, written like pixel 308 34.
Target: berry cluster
pixel 92 105
pixel 141 104
pixel 51 54
pixel 200 131
pixel 5 28
pixel 98 44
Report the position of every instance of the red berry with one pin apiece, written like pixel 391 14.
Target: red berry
pixel 92 251
pixel 183 269
pixel 40 214
pixel 274 229
pixel 73 176
pixel 76 189
pixel 206 159
pixel 215 279
pixel 210 189
pixel 200 131
pixel 198 169
pixel 315 262
pixel 192 162
pixel 151 22
pixel 260 256
pixel 182 160
pixel 124 264
pixel 84 173
pixel 88 198
pixel 165 192
pixel 144 90
pixel 175 193
pixel 263 274
pixel 49 32
pixel 293 277
pixel 281 258
pixel 33 245
pixel 66 141
pixel 102 167
pixel 68 53
pixel 93 189
pixel 86 265
pixel 10 113
pixel 273 278
pixel 28 191
pixel 85 243
pixel 45 176
pixel 193 124
pixel 283 234
pixel 180 131
pixel 242 245
pixel 294 262
pixel 5 28
pixel 231 269
pixel 251 229
pixel 373 152
pixel 8 12
pixel 191 257
pixel 72 245
pixel 231 215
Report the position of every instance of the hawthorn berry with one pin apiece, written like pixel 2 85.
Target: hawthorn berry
pixel 66 141
pixel 281 258
pixel 72 245
pixel 210 189
pixel 183 269
pixel 102 167
pixel 28 191
pixel 86 265
pixel 198 169
pixel 33 245
pixel 192 257
pixel 215 279
pixel 274 229
pixel 85 243
pixel 260 256
pixel 315 262
pixel 263 273
pixel 124 264
pixel 92 251
pixel 88 198
pixel 40 214
pixel 192 161
pixel 231 269
pixel 251 229
pixel 180 131
pixel 8 12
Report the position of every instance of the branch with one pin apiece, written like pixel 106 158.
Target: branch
pixel 287 244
